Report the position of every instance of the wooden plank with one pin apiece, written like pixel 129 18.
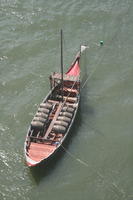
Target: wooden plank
pixel 40 151
pixel 54 119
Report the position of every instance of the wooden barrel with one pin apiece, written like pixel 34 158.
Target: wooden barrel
pixel 41 114
pixel 59 129
pixel 40 119
pixel 62 123
pixel 37 125
pixel 67 114
pixel 44 110
pixel 65 119
pixel 68 109
pixel 46 105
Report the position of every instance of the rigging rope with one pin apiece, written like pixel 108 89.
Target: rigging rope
pixel 90 75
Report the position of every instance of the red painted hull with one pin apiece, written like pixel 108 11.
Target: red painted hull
pixel 42 144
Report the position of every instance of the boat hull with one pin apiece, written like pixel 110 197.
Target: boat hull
pixel 55 116
pixel 44 161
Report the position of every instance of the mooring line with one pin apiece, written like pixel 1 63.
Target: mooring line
pixel 90 75
pixel 101 176
pixel 75 158
pixel 88 78
pixel 83 163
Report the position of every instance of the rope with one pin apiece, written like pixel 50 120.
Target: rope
pixel 75 158
pixel 90 75
pixel 101 176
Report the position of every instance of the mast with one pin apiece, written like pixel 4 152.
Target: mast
pixel 62 64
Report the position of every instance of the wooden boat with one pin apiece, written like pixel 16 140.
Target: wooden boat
pixel 55 115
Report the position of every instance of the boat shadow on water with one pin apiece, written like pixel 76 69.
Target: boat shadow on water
pixel 45 169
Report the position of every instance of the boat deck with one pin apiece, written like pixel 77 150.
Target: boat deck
pixel 40 151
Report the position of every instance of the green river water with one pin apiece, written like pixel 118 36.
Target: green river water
pixel 98 161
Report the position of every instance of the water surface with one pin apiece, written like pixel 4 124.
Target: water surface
pixel 99 158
